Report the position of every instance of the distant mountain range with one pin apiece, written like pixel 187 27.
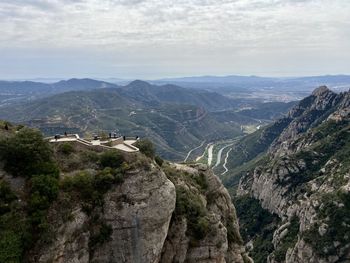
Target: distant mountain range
pixel 177 119
pixel 243 89
pixel 256 81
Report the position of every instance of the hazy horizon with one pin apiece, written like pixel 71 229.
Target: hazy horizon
pixel 152 39
pixel 54 79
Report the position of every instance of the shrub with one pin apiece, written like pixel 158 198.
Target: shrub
pixel 201 228
pixel 146 147
pixel 11 248
pixel 91 188
pixel 104 180
pixel 25 152
pixel 45 185
pixel 201 181
pixel 255 223
pixel 190 205
pixel 44 190
pixel 82 183
pixel 159 160
pixel 111 159
pixel 66 148
pixel 252 217
pixel 262 246
pixel 90 156
pixel 6 197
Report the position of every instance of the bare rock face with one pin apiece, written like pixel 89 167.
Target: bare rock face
pixel 71 244
pixel 139 212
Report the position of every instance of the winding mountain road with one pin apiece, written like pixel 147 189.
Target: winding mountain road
pixel 224 165
pixel 210 154
pixel 218 159
pixel 189 153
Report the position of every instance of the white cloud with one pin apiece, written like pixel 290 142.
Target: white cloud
pixel 216 32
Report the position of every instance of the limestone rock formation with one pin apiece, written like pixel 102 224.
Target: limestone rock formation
pixel 138 211
pixel 106 206
pixel 222 243
pixel 305 180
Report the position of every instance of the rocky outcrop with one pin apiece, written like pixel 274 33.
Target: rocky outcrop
pixel 139 212
pixel 143 220
pixel 304 180
pixel 307 113
pixel 222 243
pixel 71 243
pixel 65 203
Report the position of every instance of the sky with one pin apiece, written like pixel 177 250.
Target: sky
pixel 151 39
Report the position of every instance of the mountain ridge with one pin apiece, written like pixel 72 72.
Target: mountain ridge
pixel 299 176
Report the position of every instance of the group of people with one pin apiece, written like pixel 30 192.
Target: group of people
pixel 111 135
pixel 58 136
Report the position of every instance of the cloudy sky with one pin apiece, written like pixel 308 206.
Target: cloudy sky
pixel 165 38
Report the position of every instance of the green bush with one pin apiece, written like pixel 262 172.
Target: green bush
pixel 111 159
pixel 146 147
pixel 262 246
pixel 66 148
pixel 44 190
pixel 256 223
pixel 201 228
pixel 6 197
pixel 82 183
pixel 14 235
pixel 159 160
pixel 252 217
pixel 105 179
pixel 190 205
pixel 45 185
pixel 90 156
pixel 25 152
pixel 89 188
pixel 11 247
pixel 201 181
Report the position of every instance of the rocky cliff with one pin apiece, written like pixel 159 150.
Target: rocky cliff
pixel 304 179
pixel 76 204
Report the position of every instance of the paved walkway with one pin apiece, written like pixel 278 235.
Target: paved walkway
pixel 126 146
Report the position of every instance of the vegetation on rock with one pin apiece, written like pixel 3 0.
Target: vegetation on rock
pixel 256 224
